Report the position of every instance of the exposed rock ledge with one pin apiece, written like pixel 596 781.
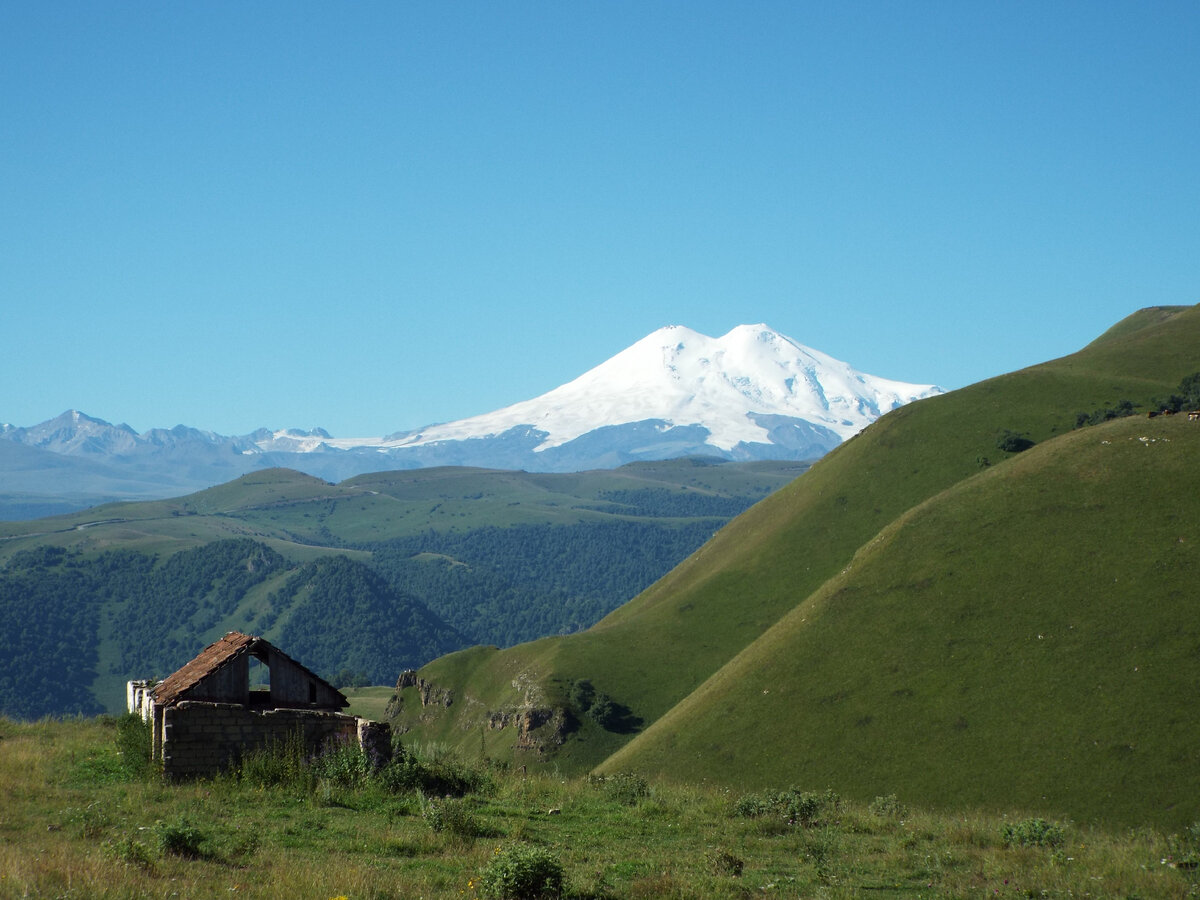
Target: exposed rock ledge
pixel 539 728
pixel 430 694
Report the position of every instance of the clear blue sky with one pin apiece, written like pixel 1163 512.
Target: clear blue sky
pixel 376 215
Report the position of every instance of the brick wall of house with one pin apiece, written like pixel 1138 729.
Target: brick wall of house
pixel 199 739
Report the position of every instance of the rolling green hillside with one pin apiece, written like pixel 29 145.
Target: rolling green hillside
pixel 1029 636
pixel 367 577
pixel 653 652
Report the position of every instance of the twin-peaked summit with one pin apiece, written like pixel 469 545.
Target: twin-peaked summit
pixel 750 394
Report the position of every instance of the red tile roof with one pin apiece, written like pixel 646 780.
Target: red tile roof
pixel 211 658
pixel 208 661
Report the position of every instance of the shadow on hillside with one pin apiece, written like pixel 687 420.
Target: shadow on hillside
pixel 621 720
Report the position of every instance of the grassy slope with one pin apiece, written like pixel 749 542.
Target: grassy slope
pixel 300 511
pixel 76 824
pixel 1030 637
pixel 652 652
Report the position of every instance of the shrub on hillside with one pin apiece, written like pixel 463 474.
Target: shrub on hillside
pixel 597 705
pixel 623 787
pixel 1032 833
pixel 1187 396
pixel 582 695
pixel 133 744
pixel 888 807
pixel 793 806
pixel 451 817
pixel 1012 442
pixel 523 872
pixel 1120 411
pixel 181 838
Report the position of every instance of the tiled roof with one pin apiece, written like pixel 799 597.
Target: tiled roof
pixel 208 661
pixel 215 655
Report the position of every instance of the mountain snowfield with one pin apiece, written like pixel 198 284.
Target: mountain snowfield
pixel 750 394
pixel 677 377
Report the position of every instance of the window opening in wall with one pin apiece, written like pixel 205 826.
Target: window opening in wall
pixel 260 680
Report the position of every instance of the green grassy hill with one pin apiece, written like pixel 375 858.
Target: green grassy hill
pixel 366 577
pixel 1030 636
pixel 789 551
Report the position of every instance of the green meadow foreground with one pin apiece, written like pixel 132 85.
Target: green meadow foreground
pixel 84 816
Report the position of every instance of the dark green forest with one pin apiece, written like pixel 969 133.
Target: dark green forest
pixel 504 586
pixel 345 616
pixel 364 611
pixel 416 599
pixel 49 620
pixel 163 610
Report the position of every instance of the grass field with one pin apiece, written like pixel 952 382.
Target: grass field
pixel 369 702
pixel 82 818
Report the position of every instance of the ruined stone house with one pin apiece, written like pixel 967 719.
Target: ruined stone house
pixel 207 714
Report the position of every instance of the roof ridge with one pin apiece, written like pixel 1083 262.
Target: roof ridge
pixel 203 664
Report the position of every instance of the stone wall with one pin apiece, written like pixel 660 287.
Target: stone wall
pixel 199 739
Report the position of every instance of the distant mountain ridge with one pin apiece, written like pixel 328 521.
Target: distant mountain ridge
pixel 750 394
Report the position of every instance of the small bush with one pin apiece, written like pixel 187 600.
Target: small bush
pixel 133 744
pixel 523 872
pixel 181 839
pixel 582 696
pixel 1122 410
pixel 1032 833
pixel 1183 850
pixel 130 853
pixel 888 807
pixel 604 712
pixel 438 774
pixel 345 765
pixel 793 806
pixel 91 820
pixel 722 862
pixel 624 787
pixel 451 817
pixel 277 765
pixel 1011 442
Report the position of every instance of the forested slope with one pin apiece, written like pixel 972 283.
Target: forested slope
pixel 360 580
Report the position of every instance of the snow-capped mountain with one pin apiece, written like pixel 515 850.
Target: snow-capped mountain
pixel 750 394
pixel 738 389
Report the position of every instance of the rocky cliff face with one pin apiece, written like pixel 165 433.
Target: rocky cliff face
pixel 538 727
